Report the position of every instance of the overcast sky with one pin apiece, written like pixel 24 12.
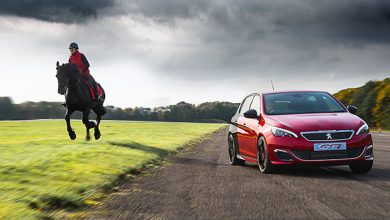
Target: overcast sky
pixel 153 53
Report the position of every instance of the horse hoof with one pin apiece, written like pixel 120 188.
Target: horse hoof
pixel 97 136
pixel 72 135
pixel 87 138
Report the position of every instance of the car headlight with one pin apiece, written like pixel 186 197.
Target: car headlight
pixel 363 129
pixel 279 132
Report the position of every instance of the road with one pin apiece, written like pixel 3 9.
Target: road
pixel 200 184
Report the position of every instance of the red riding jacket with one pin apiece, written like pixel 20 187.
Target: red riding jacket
pixel 81 61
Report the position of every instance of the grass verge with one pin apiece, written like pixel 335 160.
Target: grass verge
pixel 45 175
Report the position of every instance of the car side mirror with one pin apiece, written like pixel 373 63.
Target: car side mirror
pixel 251 113
pixel 352 109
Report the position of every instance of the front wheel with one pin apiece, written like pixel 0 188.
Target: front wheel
pixel 362 166
pixel 233 152
pixel 263 160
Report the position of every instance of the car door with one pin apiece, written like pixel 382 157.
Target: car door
pixel 242 129
pixel 252 127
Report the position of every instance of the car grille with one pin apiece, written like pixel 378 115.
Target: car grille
pixel 283 156
pixel 327 135
pixel 328 155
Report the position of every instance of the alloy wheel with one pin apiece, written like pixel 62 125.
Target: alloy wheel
pixel 261 157
pixel 232 153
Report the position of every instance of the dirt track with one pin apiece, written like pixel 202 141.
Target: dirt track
pixel 200 184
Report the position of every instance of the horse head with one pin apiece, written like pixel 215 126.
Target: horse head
pixel 67 74
pixel 62 79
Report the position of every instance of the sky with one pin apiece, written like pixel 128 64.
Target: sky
pixel 155 53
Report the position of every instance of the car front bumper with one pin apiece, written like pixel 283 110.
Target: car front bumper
pixel 288 151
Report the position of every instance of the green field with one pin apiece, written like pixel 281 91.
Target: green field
pixel 43 174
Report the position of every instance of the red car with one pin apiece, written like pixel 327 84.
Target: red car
pixel 299 127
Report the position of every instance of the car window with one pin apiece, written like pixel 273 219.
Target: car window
pixel 256 104
pixel 246 104
pixel 300 103
pixel 330 103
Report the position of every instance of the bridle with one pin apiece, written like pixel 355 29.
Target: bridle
pixel 72 85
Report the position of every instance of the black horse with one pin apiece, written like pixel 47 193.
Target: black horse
pixel 78 98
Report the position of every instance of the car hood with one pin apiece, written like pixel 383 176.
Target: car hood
pixel 315 122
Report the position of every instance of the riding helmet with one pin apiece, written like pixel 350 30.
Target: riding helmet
pixel 73 45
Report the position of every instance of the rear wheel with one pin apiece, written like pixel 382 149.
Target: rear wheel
pixel 233 152
pixel 263 160
pixel 362 166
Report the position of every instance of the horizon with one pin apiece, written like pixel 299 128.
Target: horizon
pixel 196 104
pixel 154 53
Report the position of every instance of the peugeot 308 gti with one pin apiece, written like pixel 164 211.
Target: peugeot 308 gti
pixel 299 127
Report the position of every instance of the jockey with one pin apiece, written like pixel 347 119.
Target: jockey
pixel 83 65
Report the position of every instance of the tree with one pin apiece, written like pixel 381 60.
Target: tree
pixel 7 108
pixel 372 100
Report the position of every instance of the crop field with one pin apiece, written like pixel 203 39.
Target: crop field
pixel 43 174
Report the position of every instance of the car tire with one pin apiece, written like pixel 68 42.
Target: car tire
pixel 263 160
pixel 361 167
pixel 234 160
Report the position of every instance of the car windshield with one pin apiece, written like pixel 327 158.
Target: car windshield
pixel 300 103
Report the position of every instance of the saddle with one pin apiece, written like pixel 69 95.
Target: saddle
pixel 94 97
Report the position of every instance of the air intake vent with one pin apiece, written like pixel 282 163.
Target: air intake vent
pixel 369 151
pixel 283 156
pixel 328 155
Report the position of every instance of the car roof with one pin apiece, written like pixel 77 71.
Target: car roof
pixel 289 91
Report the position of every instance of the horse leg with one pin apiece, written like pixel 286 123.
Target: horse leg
pixel 71 133
pixel 97 131
pixel 88 124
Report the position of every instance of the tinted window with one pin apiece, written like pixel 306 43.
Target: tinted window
pixel 256 104
pixel 246 104
pixel 300 103
pixel 330 103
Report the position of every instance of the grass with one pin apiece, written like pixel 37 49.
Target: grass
pixel 375 129
pixel 43 174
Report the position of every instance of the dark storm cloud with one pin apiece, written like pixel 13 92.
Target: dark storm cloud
pixel 66 11
pixel 349 20
pixel 345 21
pixel 292 22
pixel 272 37
pixel 214 38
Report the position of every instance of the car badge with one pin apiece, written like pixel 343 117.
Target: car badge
pixel 328 136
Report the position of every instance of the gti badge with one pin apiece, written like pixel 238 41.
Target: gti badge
pixel 328 136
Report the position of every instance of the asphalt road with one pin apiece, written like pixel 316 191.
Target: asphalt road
pixel 200 184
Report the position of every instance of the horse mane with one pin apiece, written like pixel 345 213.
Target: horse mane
pixel 71 69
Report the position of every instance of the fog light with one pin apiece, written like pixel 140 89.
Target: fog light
pixel 369 152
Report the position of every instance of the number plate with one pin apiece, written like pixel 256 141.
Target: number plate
pixel 330 146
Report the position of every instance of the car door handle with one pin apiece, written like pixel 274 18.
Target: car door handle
pixel 244 123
